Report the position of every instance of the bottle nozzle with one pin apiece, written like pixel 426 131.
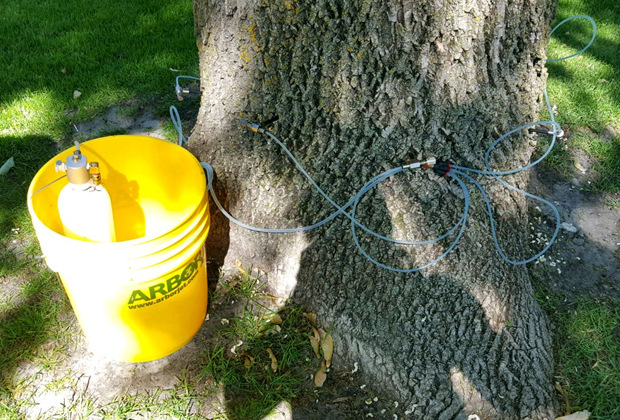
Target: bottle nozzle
pixel 95 173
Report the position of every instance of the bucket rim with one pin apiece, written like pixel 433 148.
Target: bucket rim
pixel 130 243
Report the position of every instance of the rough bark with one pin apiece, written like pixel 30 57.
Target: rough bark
pixel 360 87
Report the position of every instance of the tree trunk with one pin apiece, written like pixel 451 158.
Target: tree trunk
pixel 359 87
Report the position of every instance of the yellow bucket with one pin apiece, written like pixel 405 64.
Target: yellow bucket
pixel 145 296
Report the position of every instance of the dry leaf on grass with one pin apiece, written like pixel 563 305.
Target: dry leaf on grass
pixel 327 346
pixel 314 342
pixel 248 360
pixel 320 376
pixel 310 317
pixel 316 334
pixel 580 415
pixel 231 284
pixel 240 267
pixel 274 360
pixel 276 319
pixel 562 391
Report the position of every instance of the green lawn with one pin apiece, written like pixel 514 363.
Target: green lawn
pixel 586 88
pixel 108 50
pixel 589 357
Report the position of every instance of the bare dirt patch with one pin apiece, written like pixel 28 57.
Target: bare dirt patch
pixel 585 259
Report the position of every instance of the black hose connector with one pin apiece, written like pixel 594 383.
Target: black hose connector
pixel 559 133
pixel 442 168
pixel 270 121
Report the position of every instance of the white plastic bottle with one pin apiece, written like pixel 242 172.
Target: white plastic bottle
pixel 84 204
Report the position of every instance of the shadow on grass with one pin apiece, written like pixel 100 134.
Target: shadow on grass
pixel 607 164
pixel 29 154
pixel 108 51
pixel 576 34
pixel 31 294
pixel 270 366
pixel 587 351
pixel 28 325
pixel 589 359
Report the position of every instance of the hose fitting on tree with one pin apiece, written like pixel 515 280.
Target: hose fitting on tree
pixel 441 168
pixel 252 126
pixel 559 133
pixel 180 92
pixel 426 164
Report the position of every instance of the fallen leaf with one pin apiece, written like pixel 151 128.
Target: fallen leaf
pixel 276 319
pixel 247 362
pixel 76 94
pixel 580 167
pixel 269 331
pixel 311 317
pixel 320 376
pixel 229 286
pixel 240 267
pixel 10 163
pixel 63 71
pixel 562 391
pixel 341 399
pixel 314 342
pixel 580 415
pixel 327 346
pixel 316 334
pixel 322 333
pixel 274 361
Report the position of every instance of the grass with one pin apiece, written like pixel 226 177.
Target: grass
pixel 606 156
pixel 586 89
pixel 29 318
pixel 272 358
pixel 182 401
pixel 586 343
pixel 109 51
pixel 31 331
pixel 252 389
pixel 588 357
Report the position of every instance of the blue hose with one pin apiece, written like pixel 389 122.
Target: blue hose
pixel 457 172
pixel 176 122
pixel 555 60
